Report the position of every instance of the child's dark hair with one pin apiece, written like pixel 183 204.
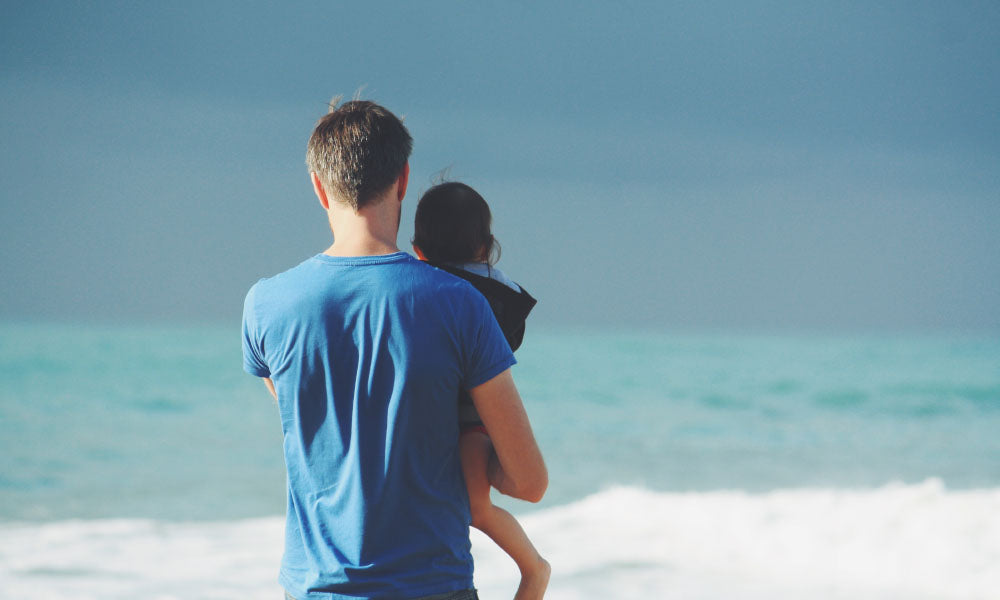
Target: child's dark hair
pixel 453 225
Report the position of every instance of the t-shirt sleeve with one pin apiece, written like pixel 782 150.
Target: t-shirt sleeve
pixel 489 354
pixel 253 355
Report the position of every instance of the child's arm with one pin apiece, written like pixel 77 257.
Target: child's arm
pixel 517 468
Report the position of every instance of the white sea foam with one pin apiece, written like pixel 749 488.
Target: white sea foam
pixel 913 541
pixel 916 541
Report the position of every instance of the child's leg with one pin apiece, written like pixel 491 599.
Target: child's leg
pixel 475 449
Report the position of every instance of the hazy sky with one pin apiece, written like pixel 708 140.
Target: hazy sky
pixel 704 165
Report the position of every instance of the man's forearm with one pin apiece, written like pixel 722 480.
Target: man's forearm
pixel 270 387
pixel 516 467
pixel 498 479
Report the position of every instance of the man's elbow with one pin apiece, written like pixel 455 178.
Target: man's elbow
pixel 535 488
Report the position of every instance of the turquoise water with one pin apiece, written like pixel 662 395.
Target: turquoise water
pixel 759 413
pixel 102 422
pixel 142 462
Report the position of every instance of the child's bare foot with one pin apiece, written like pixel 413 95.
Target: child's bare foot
pixel 534 581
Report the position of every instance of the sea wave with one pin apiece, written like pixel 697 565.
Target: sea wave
pixel 916 541
pixel 913 541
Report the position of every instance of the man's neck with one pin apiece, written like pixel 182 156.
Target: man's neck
pixel 371 248
pixel 369 232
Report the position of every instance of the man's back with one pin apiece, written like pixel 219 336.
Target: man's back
pixel 367 355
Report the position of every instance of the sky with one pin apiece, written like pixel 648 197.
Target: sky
pixel 724 166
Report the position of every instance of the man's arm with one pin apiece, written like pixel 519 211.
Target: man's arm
pixel 270 387
pixel 516 468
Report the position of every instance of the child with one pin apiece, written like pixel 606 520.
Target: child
pixel 452 232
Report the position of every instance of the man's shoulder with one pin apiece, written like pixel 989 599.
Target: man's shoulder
pixel 282 277
pixel 400 271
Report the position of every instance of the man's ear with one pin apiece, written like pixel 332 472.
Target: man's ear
pixel 404 179
pixel 320 191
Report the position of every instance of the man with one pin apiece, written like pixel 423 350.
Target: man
pixel 365 349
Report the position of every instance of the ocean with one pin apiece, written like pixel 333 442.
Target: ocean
pixel 141 462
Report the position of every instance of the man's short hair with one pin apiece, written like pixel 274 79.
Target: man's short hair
pixel 358 150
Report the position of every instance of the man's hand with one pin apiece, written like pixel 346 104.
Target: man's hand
pixel 517 468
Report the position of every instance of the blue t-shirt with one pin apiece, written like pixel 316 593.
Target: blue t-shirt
pixel 367 355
